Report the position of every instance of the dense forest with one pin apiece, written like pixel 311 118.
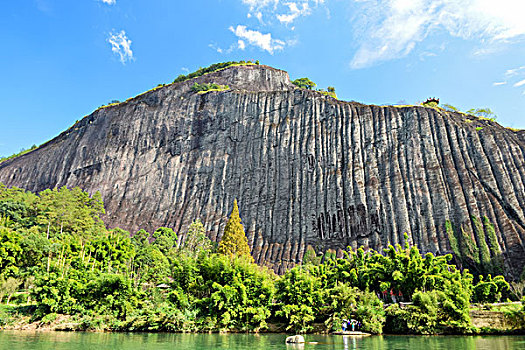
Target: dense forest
pixel 58 258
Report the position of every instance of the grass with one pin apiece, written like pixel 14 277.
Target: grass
pixel 211 69
pixel 22 152
pixel 221 88
pixel 328 93
pixel 207 87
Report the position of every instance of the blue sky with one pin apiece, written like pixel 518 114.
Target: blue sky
pixel 60 60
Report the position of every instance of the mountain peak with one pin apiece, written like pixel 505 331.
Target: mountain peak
pixel 250 77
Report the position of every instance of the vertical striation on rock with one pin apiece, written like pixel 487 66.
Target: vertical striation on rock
pixel 306 169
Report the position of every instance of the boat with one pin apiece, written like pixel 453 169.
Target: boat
pixel 352 333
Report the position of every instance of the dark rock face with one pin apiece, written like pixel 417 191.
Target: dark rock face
pixel 306 169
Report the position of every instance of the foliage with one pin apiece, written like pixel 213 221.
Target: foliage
pixel 490 290
pixel 516 315
pixel 235 293
pixel 300 297
pixel 478 250
pixel 518 288
pixel 449 108
pixel 310 257
pixel 482 113
pixel 304 83
pixel 485 113
pixel 195 240
pixel 22 152
pixel 205 87
pixel 431 104
pixel 8 287
pixel 234 241
pixel 10 251
pixel 328 93
pixel 56 253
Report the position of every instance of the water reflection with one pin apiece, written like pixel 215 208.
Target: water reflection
pixel 161 341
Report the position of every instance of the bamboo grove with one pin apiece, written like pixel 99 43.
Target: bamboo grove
pixel 58 258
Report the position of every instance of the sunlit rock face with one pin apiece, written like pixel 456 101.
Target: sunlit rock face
pixel 305 168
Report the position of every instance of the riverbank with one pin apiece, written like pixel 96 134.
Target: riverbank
pixel 487 319
pixel 498 318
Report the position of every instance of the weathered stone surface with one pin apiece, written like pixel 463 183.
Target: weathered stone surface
pixel 306 169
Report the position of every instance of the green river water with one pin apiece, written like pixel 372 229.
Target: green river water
pixel 11 340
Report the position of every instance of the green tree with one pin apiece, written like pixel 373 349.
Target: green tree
pixel 195 240
pixel 449 107
pixel 141 238
pixel 483 112
pixel 10 250
pixel 301 295
pixel 9 287
pixel 164 239
pixel 304 83
pixel 234 241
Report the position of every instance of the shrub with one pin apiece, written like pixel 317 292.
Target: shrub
pixel 304 83
pixel 213 68
pixel 208 87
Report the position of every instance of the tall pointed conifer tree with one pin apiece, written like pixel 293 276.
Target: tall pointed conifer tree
pixel 234 241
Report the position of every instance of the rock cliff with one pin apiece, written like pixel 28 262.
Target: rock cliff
pixel 307 170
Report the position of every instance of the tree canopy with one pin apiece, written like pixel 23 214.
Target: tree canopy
pixel 58 257
pixel 234 241
pixel 304 83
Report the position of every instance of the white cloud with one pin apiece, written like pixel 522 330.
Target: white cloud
pixel 514 72
pixel 109 2
pixel 241 44
pixel 121 45
pixel 285 11
pixel 499 83
pixel 391 29
pixel 519 83
pixel 295 11
pixel 258 4
pixel 255 38
pixel 216 48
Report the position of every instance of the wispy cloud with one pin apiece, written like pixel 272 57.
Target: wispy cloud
pixel 391 29
pixel 259 4
pixel 44 6
pixel 295 11
pixel 258 39
pixel 121 45
pixel 499 83
pixel 284 11
pixel 109 2
pixel 519 83
pixel 515 71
